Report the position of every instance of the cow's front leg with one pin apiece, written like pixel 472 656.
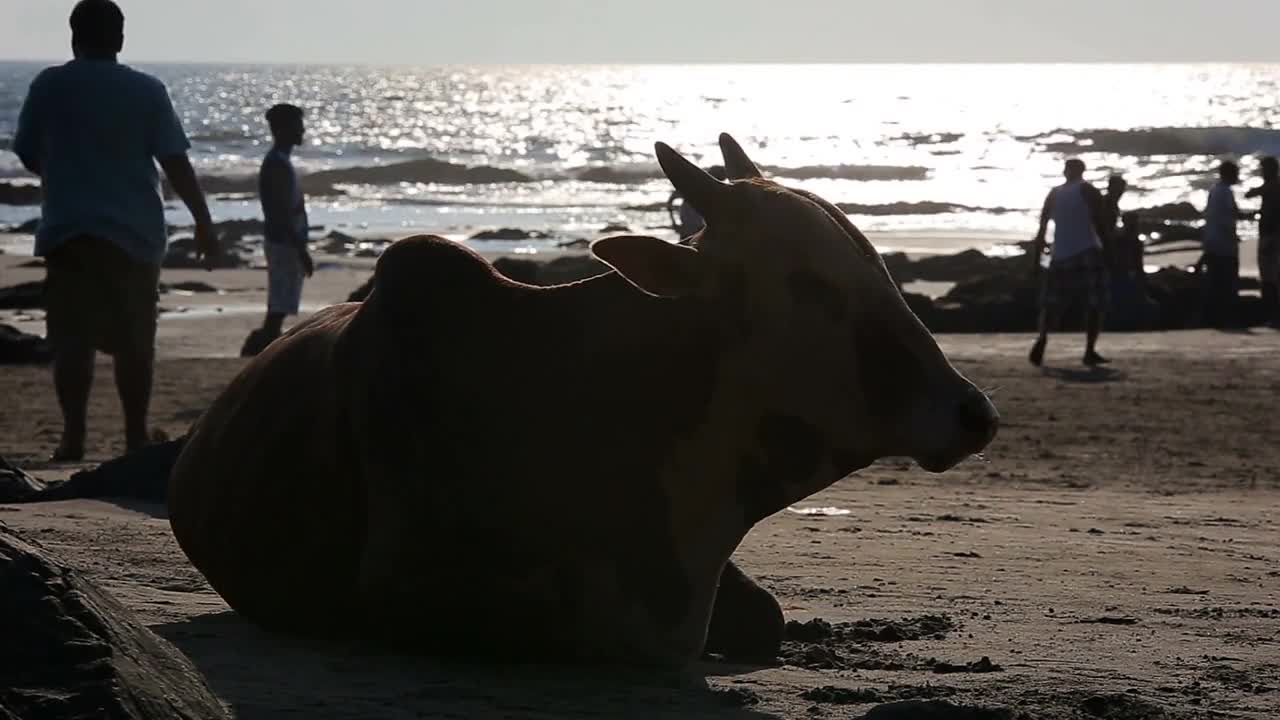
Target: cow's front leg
pixel 746 621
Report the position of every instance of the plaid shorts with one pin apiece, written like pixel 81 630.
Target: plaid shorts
pixel 1083 275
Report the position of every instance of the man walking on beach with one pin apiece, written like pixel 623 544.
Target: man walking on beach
pixel 284 213
pixel 92 130
pixel 1269 236
pixel 1220 243
pixel 1077 267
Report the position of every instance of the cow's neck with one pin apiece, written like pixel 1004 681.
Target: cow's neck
pixel 687 349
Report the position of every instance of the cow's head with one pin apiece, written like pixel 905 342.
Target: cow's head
pixel 840 366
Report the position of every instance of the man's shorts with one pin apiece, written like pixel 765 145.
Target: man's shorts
pixel 284 278
pixel 1083 276
pixel 99 296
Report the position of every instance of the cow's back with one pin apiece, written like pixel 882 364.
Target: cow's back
pixel 263 498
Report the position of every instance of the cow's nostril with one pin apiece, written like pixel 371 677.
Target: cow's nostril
pixel 977 417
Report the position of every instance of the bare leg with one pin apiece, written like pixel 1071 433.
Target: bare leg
pixel 72 380
pixel 1093 327
pixel 1048 320
pixel 134 370
pixel 746 621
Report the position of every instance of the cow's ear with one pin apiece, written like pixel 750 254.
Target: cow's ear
pixel 655 266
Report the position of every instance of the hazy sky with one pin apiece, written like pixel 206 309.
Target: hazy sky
pixel 477 31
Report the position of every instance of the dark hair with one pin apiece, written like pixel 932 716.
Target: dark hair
pixel 1228 168
pixel 1074 164
pixel 283 113
pixel 1118 182
pixel 97 25
pixel 1270 166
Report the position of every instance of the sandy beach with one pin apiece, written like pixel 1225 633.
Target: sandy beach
pixel 1115 555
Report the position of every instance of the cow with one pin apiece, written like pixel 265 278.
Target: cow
pixel 467 466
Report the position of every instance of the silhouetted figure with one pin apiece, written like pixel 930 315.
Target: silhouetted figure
pixel 689 221
pixel 1131 307
pixel 1269 236
pixel 1109 215
pixel 1220 261
pixel 92 130
pixel 284 213
pixel 1077 266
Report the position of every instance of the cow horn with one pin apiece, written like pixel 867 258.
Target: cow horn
pixel 736 163
pixel 696 185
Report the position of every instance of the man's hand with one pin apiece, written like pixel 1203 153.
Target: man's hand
pixel 308 265
pixel 207 247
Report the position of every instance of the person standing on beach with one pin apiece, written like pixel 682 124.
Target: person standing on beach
pixel 1269 236
pixel 92 129
pixel 1077 267
pixel 1108 218
pixel 1220 243
pixel 284 214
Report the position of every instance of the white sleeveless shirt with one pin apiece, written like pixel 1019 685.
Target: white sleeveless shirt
pixel 298 205
pixel 1073 230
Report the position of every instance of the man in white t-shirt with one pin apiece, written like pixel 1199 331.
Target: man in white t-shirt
pixel 1077 267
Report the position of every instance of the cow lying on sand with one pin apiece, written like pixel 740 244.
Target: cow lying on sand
pixel 465 465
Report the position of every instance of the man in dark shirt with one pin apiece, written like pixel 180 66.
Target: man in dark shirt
pixel 1269 236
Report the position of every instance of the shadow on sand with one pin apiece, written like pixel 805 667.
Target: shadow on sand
pixel 263 675
pixel 1085 374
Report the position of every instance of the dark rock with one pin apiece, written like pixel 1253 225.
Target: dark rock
pixel 830 694
pixel 423 170
pixel 1122 706
pixel 339 243
pixel 577 244
pixel 194 286
pixel 570 268
pixel 19 348
pixel 983 665
pixel 815 630
pixel 13 194
pixel 615 228
pixel 23 296
pixel 518 269
pixel 73 651
pixel 26 228
pixel 510 234
pixel 1172 212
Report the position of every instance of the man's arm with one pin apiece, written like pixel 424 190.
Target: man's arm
pixel 1037 246
pixel 1254 192
pixel 168 144
pixel 671 209
pixel 26 141
pixel 182 178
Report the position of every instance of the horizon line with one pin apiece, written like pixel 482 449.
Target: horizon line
pixel 653 63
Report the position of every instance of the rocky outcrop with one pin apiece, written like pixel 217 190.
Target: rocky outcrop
pixel 510 234
pixel 23 296
pixel 19 194
pixel 73 651
pixel 19 348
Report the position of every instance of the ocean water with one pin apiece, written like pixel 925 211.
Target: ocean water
pixel 961 154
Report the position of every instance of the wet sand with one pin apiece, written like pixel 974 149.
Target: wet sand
pixel 1116 555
